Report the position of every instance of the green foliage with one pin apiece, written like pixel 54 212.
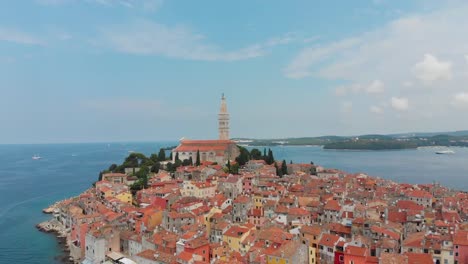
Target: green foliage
pixel 134 160
pixel 371 145
pixel 170 167
pixel 255 154
pixel 154 158
pixel 142 173
pixel 243 157
pixel 269 159
pixel 177 156
pixel 284 168
pixel 112 167
pixel 156 167
pixel 197 161
pixel 186 162
pixel 100 176
pixel 162 155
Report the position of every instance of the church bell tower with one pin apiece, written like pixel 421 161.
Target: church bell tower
pixel 223 119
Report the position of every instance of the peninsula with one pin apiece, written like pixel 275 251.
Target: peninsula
pixel 211 201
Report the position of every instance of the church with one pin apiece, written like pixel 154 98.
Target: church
pixel 219 151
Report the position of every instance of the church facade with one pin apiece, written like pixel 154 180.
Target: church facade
pixel 219 151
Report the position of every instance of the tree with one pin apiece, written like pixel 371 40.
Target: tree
pixel 191 161
pixel 154 157
pixel 177 156
pixel 100 176
pixel 234 169
pixel 243 157
pixel 162 155
pixel 186 162
pixel 284 168
pixel 142 173
pixel 270 159
pixel 255 154
pixel 264 154
pixel 170 156
pixel 112 167
pixel 197 161
pixel 156 167
pixel 170 167
pixel 291 162
pixel 278 171
pixel 134 160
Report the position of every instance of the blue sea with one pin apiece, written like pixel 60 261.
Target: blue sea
pixel 27 186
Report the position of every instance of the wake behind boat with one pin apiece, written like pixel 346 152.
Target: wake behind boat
pixel 36 157
pixel 448 151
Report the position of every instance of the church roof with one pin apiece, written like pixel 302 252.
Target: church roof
pixel 203 145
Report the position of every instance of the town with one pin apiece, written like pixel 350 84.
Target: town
pixel 214 202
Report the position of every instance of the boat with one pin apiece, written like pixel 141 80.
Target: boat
pixel 448 151
pixel 36 157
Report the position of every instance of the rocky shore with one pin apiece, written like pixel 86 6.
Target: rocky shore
pixel 56 228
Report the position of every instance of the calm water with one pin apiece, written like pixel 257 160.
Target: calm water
pixel 27 186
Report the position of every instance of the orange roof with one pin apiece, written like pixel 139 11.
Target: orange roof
pixel 419 258
pixel 356 251
pixel 203 145
pixel 461 238
pixel 329 240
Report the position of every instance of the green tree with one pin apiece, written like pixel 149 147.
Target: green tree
pixel 170 167
pixel 177 156
pixel 264 154
pixel 191 161
pixel 112 167
pixel 154 157
pixel 156 167
pixel 142 173
pixel 255 154
pixel 197 161
pixel 162 155
pixel 234 169
pixel 278 171
pixel 270 159
pixel 243 157
pixel 186 162
pixel 284 168
pixel 100 176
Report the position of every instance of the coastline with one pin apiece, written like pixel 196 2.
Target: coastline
pixel 55 228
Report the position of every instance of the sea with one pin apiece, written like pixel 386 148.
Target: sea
pixel 65 170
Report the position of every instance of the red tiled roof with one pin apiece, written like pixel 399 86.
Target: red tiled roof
pixel 356 251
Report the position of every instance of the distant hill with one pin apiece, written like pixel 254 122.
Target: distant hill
pixel 370 141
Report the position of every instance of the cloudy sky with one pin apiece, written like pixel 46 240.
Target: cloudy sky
pixel 149 70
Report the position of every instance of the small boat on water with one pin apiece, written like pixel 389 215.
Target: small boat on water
pixel 448 151
pixel 36 157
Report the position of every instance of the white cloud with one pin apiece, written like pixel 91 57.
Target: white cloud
pixel 399 103
pixel 376 86
pixel 149 38
pixel 460 100
pixel 376 109
pixel 301 64
pixel 431 69
pixel 16 36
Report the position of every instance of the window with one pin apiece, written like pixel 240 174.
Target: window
pixel 341 257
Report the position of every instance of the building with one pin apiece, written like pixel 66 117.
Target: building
pixel 219 151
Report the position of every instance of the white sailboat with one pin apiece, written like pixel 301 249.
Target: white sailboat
pixel 36 157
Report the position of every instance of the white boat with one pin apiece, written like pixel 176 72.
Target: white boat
pixel 36 157
pixel 448 151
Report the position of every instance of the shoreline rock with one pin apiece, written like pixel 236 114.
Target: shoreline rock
pixel 56 228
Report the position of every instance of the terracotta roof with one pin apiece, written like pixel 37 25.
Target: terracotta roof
pixel 356 251
pixel 419 258
pixel 461 238
pixel 329 240
pixel 332 205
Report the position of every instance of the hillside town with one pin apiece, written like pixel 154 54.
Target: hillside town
pixel 264 212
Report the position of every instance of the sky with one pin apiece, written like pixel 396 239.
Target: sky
pixel 152 70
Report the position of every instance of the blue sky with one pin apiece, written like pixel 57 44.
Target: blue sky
pixel 148 70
